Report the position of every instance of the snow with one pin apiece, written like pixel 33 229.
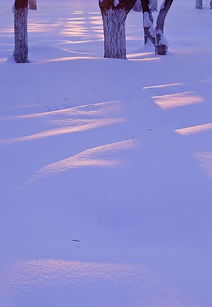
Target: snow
pixel 147 22
pixel 116 2
pixel 106 165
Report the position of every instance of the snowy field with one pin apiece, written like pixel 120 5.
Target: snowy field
pixel 106 165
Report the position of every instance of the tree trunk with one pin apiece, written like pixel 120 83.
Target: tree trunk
pixel 161 45
pixel 114 33
pixel 114 14
pixel 137 6
pixel 198 4
pixel 20 29
pixel 154 5
pixel 32 5
pixel 149 31
pixel 211 4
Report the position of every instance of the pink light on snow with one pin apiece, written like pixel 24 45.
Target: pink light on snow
pixel 70 120
pixel 194 129
pixel 83 27
pixel 68 58
pixel 82 126
pixel 39 27
pixel 176 100
pixel 205 159
pixel 95 109
pixel 92 157
pixel 162 85
pixel 142 286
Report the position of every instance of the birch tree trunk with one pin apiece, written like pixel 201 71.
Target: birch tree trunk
pixel 198 4
pixel 161 45
pixel 114 14
pixel 20 30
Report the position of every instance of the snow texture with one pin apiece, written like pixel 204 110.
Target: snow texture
pixel 106 164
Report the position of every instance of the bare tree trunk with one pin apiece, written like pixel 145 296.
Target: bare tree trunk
pixel 114 14
pixel 161 45
pixel 154 5
pixel 32 5
pixel 149 31
pixel 114 33
pixel 211 4
pixel 198 4
pixel 137 6
pixel 20 29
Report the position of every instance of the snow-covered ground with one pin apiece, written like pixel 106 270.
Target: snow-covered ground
pixel 105 165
